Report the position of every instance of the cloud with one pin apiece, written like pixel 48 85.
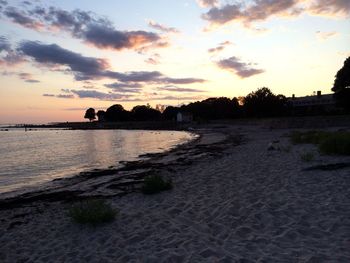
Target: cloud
pixel 27 77
pixel 220 47
pixel 178 89
pixel 178 98
pixel 326 35
pixel 162 28
pixel 87 26
pixel 151 77
pixel 330 7
pixel 4 44
pixel 261 10
pixel 241 69
pixel 60 96
pixel 152 60
pixel 82 67
pixel 65 96
pixel 208 3
pixel 22 19
pixel 94 94
pixel 8 56
pixel 180 80
pixel 125 87
pixel 109 38
pixel 89 68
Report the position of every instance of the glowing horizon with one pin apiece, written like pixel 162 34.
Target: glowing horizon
pixel 59 58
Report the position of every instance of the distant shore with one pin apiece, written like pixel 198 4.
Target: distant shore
pixel 318 121
pixel 233 200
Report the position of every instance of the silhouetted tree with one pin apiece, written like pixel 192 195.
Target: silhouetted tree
pixel 90 114
pixel 341 86
pixel 101 115
pixel 145 113
pixel 263 103
pixel 117 113
pixel 170 113
pixel 214 108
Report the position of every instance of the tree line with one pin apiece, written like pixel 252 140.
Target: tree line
pixel 259 103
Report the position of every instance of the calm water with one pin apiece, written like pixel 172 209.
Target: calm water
pixel 33 157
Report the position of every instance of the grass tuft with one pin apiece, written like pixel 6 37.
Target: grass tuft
pixel 92 212
pixel 155 184
pixel 336 143
pixel 328 142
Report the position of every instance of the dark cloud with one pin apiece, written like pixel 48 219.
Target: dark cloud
pixel 162 28
pixel 178 98
pixel 220 47
pixel 260 10
pixel 181 80
pixel 105 37
pixel 82 67
pixel 65 96
pixel 178 89
pixel 21 18
pixel 137 76
pixel 88 68
pixel 94 94
pixel 223 14
pixel 125 87
pixel 152 60
pixel 241 69
pixel 60 96
pixel 32 81
pixel 216 49
pixel 83 25
pixel 8 56
pixel 4 44
pixel 27 77
pixel 151 77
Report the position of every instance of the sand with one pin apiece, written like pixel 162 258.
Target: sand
pixel 246 204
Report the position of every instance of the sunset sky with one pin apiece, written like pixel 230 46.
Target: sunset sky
pixel 58 58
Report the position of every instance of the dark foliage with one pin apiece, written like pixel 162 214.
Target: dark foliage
pixel 213 108
pixel 117 113
pixel 155 184
pixel 101 115
pixel 170 113
pixel 341 86
pixel 90 114
pixel 145 113
pixel 263 103
pixel 92 212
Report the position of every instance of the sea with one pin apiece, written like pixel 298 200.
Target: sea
pixel 34 157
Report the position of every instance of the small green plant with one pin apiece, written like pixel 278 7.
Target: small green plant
pixel 307 157
pixel 328 142
pixel 155 184
pixel 92 212
pixel 312 137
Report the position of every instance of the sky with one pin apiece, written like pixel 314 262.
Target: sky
pixel 58 58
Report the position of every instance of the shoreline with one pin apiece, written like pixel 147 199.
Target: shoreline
pixel 121 179
pixel 233 200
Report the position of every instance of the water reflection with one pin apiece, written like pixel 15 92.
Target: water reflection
pixel 28 158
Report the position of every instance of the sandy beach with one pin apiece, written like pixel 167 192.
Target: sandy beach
pixel 233 201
